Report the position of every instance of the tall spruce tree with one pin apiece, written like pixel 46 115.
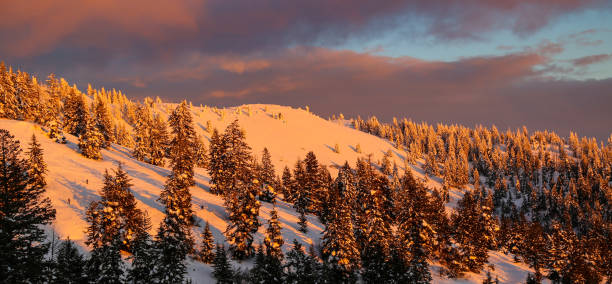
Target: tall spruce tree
pixel 23 210
pixel 206 253
pixel 300 267
pixel 76 113
pixel 91 140
pixel 339 248
pixel 216 165
pixel 241 197
pixel 222 268
pixel 274 239
pixel 103 120
pixel 142 133
pixel 68 264
pixel 158 141
pixel 103 235
pixel 267 178
pixel 142 270
pixel 174 240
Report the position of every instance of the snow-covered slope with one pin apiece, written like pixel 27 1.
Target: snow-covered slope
pixel 74 180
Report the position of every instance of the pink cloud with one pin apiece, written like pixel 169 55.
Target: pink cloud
pixel 591 59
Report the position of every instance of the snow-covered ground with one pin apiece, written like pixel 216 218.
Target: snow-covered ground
pixel 74 180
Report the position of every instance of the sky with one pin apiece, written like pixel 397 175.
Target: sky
pixel 546 64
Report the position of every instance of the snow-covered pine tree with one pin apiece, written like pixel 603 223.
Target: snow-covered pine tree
pixel 37 168
pixel 274 239
pixel 385 166
pixel 91 140
pixel 241 196
pixel 158 141
pixel 200 152
pixel 76 113
pixel 23 211
pixel 103 235
pixel 117 193
pixel 300 267
pixel 174 240
pixel 474 228
pixel 206 253
pixel 301 196
pixel 267 178
pixel 144 254
pixel 267 269
pixel 68 264
pixel 339 249
pixel 103 120
pixel 223 271
pixel 143 121
pixel 287 185
pixel 217 161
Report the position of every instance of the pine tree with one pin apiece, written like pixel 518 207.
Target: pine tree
pixel 142 270
pixel 91 140
pixel 207 253
pixel 241 196
pixel 267 178
pixel 142 133
pixel 103 235
pixel 339 248
pixel 288 186
pixel 300 267
pixel 385 167
pixel 222 268
pixel 158 145
pixel 103 121
pixel 474 230
pixel 23 211
pixel 267 269
pixel 76 114
pixel 301 194
pixel 37 168
pixel 174 239
pixel 200 152
pixel 219 175
pixel 69 263
pixel 274 239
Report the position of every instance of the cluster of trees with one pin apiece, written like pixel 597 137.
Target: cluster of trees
pixel 550 196
pixel 544 199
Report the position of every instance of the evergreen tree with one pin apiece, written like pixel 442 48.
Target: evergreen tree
pixel 474 230
pixel 23 211
pixel 300 267
pixel 158 141
pixel 69 263
pixel 267 178
pixel 301 195
pixel 143 257
pixel 385 167
pixel 267 268
pixel 174 239
pixel 103 121
pixel 76 114
pixel 219 175
pixel 287 185
pixel 241 196
pixel 274 239
pixel 103 235
pixel 37 168
pixel 91 140
pixel 200 152
pixel 142 133
pixel 339 248
pixel 222 268
pixel 207 253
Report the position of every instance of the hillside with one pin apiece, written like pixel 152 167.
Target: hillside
pixel 74 180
